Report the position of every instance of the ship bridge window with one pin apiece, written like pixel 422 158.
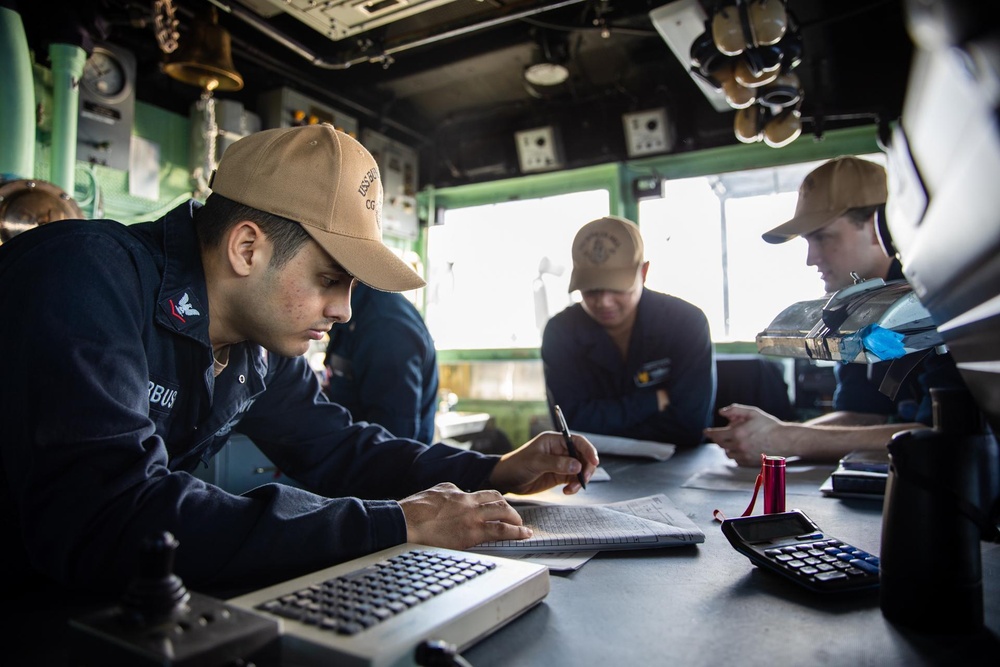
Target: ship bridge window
pixel 703 240
pixel 497 272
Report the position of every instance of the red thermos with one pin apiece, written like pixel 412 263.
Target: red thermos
pixel 773 469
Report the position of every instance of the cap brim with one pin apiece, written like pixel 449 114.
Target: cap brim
pixel 801 225
pixel 618 280
pixel 368 260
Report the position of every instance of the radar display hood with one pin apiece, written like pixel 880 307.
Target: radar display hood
pixel 869 321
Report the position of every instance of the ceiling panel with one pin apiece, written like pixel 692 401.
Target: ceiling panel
pixel 340 19
pixel 446 78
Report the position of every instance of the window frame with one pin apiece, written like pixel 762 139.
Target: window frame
pixel 618 178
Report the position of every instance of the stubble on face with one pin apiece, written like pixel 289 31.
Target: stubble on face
pixel 287 308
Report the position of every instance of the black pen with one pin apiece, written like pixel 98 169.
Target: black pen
pixel 569 443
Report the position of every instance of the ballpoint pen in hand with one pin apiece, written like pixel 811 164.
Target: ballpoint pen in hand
pixel 569 443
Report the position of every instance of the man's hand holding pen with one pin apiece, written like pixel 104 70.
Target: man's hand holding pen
pixel 544 462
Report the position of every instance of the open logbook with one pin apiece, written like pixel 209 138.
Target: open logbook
pixel 641 523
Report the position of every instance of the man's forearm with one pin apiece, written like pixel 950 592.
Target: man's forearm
pixel 830 442
pixel 845 418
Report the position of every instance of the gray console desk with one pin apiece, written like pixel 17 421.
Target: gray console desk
pixel 707 604
pixel 688 606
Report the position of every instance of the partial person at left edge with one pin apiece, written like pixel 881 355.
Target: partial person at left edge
pixel 382 364
pixel 132 352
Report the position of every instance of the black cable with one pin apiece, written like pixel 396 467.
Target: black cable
pixel 438 653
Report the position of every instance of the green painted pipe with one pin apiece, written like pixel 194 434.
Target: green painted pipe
pixel 67 68
pixel 17 113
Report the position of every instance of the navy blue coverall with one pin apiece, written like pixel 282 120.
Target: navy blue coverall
pixel 382 365
pixel 109 401
pixel 598 392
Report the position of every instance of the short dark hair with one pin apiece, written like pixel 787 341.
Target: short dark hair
pixel 219 214
pixel 861 214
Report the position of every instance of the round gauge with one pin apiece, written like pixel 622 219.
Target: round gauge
pixel 104 74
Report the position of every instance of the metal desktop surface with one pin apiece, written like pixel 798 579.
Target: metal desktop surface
pixel 707 604
pixel 704 604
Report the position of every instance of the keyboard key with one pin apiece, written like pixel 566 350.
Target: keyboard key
pixel 361 599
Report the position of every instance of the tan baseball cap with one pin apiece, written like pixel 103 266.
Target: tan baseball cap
pixel 828 192
pixel 607 254
pixel 327 182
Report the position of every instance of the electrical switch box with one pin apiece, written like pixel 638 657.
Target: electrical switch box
pixel 648 132
pixel 539 149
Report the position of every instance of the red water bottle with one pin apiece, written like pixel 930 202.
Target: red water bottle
pixel 771 479
pixel 773 470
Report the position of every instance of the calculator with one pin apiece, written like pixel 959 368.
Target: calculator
pixel 792 545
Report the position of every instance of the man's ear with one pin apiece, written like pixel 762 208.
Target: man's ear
pixel 245 247
pixel 871 226
pixel 645 268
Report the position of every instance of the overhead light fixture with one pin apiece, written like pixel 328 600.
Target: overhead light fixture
pixel 548 68
pixel 546 74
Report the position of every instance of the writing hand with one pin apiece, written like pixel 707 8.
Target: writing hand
pixel 544 462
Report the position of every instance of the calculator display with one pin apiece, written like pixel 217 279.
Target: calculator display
pixel 768 528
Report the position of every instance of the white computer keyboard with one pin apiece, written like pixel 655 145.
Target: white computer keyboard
pixel 377 609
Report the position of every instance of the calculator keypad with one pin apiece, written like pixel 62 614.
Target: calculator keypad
pixel 827 563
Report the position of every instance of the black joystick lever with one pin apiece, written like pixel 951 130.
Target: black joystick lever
pixel 160 622
pixel 156 595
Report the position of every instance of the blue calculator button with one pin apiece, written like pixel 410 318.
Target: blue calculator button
pixel 809 536
pixel 865 566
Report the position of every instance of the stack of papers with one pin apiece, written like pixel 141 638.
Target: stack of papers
pixel 647 449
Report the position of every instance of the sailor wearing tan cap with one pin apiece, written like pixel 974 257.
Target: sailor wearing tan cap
pixel 132 352
pixel 835 214
pixel 627 361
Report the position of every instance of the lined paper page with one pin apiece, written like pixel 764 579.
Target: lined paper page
pixel 641 523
